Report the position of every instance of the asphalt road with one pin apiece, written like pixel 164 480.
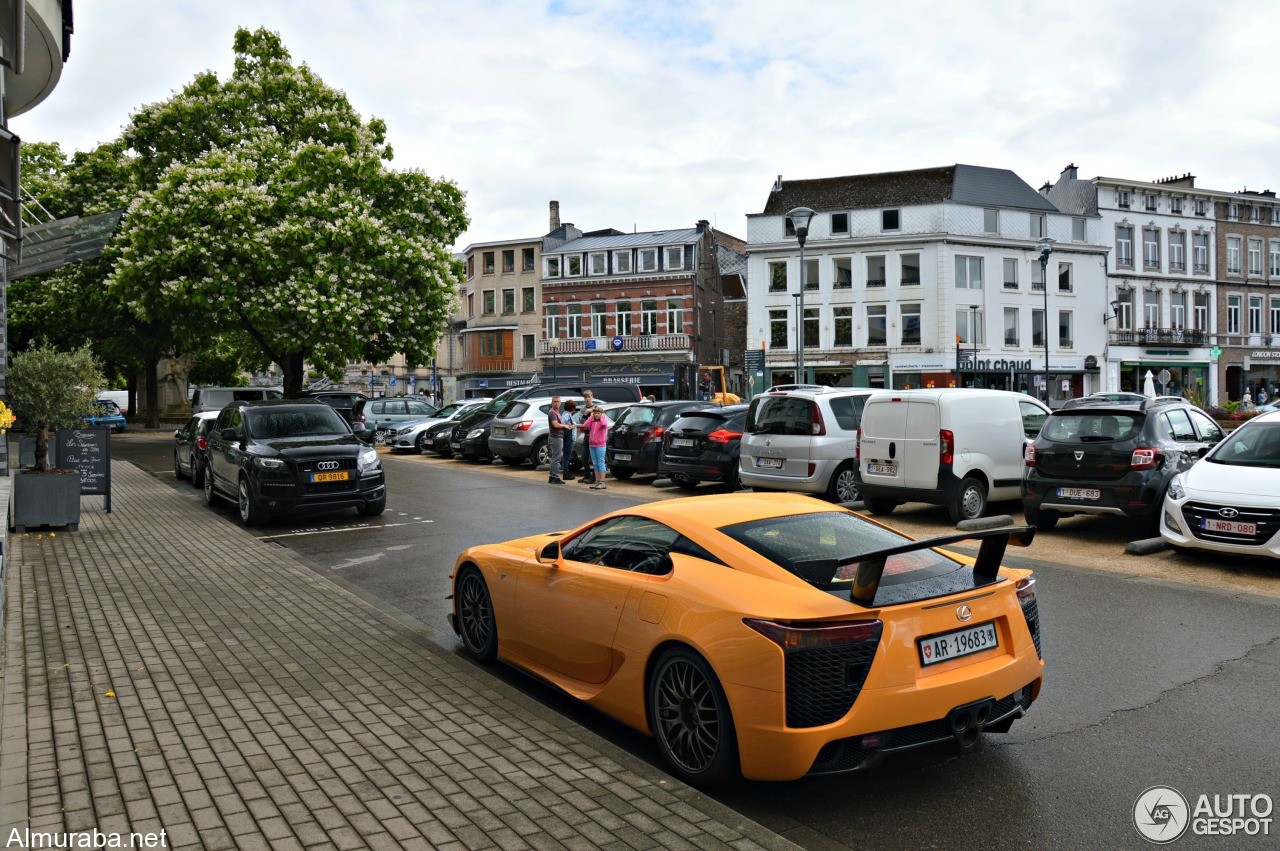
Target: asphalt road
pixel 1160 672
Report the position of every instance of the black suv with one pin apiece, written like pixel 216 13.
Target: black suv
pixel 635 440
pixel 275 457
pixel 703 446
pixel 1114 458
pixel 342 401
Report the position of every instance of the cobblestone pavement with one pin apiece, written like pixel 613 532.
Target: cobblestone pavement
pixel 164 669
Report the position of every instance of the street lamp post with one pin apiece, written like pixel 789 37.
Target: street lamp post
pixel 973 343
pixel 1045 247
pixel 1106 345
pixel 800 217
pixel 554 345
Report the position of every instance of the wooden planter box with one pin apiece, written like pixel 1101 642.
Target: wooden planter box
pixel 46 499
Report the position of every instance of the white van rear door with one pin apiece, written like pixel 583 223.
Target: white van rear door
pixel 884 431
pixel 922 445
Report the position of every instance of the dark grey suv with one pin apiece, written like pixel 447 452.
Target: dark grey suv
pixel 1113 458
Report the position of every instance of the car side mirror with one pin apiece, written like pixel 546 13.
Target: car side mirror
pixel 229 434
pixel 178 434
pixel 550 554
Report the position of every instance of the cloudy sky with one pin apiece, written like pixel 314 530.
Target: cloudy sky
pixel 652 115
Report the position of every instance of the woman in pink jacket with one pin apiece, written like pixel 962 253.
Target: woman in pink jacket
pixel 597 429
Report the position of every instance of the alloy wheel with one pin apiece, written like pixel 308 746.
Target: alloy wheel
pixel 688 716
pixel 846 485
pixel 475 614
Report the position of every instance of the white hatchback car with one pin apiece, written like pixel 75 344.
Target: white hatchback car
pixel 1229 501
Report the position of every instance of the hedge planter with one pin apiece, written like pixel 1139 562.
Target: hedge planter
pixel 46 499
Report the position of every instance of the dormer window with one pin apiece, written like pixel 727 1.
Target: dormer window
pixel 1202 208
pixel 573 265
pixel 598 262
pixel 674 259
pixel 648 259
pixel 622 262
pixel 890 220
pixel 839 223
pixel 1150 203
pixel 1255 213
pixel 1175 205
pixel 1233 212
pixel 788 227
pixel 1122 198
pixel 550 267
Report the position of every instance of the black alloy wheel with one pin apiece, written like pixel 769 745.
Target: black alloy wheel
pixel 197 473
pixel 474 610
pixel 177 467
pixel 691 721
pixel 211 497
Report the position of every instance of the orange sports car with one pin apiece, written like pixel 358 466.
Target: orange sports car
pixel 771 635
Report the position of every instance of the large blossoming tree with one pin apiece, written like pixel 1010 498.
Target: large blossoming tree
pixel 269 216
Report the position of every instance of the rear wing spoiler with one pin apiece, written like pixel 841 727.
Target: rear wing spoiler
pixel 866 580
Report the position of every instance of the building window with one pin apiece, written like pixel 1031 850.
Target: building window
pixel 990 221
pixel 811 327
pixel 1124 246
pixel 675 257
pixel 1151 248
pixel 1175 206
pixel 839 223
pixel 841 273
pixel 675 317
pixel 1255 314
pixel 648 317
pixel 910 315
pixel 509 260
pixel 1255 213
pixel 1037 328
pixel 1200 251
pixel 1151 309
pixel 1122 198
pixel 1233 212
pixel 648 259
pixel 875 270
pixel 1064 329
pixel 778 328
pixel 811 274
pixel 573 265
pixel 890 220
pixel 550 267
pixel 1235 304
pixel 777 276
pixel 1233 255
pixel 788 227
pixel 877 325
pixel 1037 276
pixel 488 263
pixel 1124 313
pixel 489 301
pixel 1150 203
pixel 1010 273
pixel 1078 230
pixel 969 326
pixel 509 297
pixel 526 345
pixel 1064 278
pixel 471 305
pixel 599 319
pixel 1011 327
pixel 910 270
pixel 471 265
pixel 968 272
pixel 553 321
pixel 528 259
pixel 843 325
pixel 1202 208
pixel 1037 225
pixel 1255 258
pixel 1275 258
pixel 527 294
pixel 622 262
pixel 1275 315
pixel 1178 310
pixel 598 263
pixel 575 328
pixel 1177 251
pixel 622 318
pixel 1200 312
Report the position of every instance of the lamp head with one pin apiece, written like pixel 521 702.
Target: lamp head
pixel 1045 246
pixel 800 218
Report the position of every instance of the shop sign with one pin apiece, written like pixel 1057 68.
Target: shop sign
pixel 1176 353
pixel 1265 354
pixel 921 363
pixel 634 373
pixel 989 365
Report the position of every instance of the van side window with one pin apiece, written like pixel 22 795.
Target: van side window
pixel 846 411
pixel 1032 419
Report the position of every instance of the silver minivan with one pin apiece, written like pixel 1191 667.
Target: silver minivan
pixel 216 398
pixel 804 440
pixel 519 431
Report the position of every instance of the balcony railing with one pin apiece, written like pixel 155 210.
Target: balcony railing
pixel 640 343
pixel 1180 337
pixel 490 364
pixel 875 282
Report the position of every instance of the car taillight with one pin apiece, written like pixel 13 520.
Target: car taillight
pixel 857 446
pixel 1026 589
pixel 1144 459
pixel 654 435
pixel 815 417
pixel 523 425
pixel 723 435
pixel 795 637
pixel 1030 455
pixel 202 442
pixel 946 446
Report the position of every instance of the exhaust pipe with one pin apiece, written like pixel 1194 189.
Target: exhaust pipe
pixel 966 723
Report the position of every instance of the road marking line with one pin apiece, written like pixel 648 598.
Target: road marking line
pixel 359 527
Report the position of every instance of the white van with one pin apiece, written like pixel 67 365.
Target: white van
pixel 958 447
pixel 217 398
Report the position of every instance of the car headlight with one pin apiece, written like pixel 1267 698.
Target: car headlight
pixel 368 461
pixel 1176 490
pixel 475 433
pixel 269 463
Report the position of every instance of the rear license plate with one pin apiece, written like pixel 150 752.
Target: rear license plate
pixel 681 441
pixel 340 476
pixel 499 431
pixel 1079 493
pixel 953 645
pixel 1231 527
pixel 775 463
pixel 455 444
pixel 622 456
pixel 882 469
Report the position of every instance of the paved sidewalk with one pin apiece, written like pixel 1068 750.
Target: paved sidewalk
pixel 164 669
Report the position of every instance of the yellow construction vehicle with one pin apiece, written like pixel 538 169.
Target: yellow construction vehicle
pixel 712 384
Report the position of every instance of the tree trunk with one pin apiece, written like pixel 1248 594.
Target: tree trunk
pixel 293 374
pixel 131 389
pixel 153 395
pixel 41 461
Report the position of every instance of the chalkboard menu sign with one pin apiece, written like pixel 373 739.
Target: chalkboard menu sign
pixel 87 451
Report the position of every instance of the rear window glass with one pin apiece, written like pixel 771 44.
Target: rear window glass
pixel 780 415
pixel 253 394
pixel 702 422
pixel 107 407
pixel 637 415
pixel 515 409
pixel 1092 426
pixel 848 411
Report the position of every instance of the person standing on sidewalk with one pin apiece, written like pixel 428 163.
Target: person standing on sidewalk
pixel 571 417
pixel 597 436
pixel 555 441
pixel 584 414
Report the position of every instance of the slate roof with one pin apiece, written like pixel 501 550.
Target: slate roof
pixel 962 184
pixel 680 236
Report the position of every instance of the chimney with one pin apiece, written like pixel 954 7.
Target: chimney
pixel 703 224
pixel 1069 172
pixel 555 216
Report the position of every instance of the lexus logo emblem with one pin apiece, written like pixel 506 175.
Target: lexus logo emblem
pixel 327 465
pixel 963 613
pixel 1079 455
pixel 1228 512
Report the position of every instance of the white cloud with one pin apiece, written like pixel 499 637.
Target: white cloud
pixel 654 115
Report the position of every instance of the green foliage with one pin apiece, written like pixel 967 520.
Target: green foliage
pixel 268 217
pixel 49 388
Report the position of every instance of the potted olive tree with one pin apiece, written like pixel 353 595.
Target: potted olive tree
pixel 50 389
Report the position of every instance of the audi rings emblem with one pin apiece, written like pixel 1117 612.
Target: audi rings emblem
pixel 1228 512
pixel 327 465
pixel 963 613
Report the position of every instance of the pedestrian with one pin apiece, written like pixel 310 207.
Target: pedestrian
pixel 1262 393
pixel 571 417
pixel 597 438
pixel 555 441
pixel 704 387
pixel 584 451
pixel 650 399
